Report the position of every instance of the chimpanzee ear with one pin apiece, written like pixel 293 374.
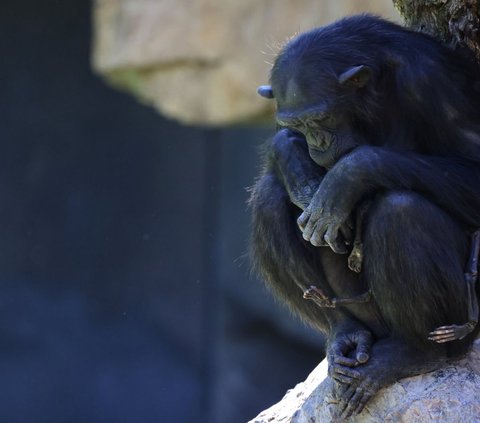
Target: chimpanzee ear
pixel 265 91
pixel 357 76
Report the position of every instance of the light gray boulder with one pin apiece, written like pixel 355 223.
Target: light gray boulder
pixel 451 394
pixel 201 61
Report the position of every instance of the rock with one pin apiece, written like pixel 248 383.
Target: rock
pixel 201 61
pixel 450 394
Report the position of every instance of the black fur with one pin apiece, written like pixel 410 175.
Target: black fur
pixel 416 127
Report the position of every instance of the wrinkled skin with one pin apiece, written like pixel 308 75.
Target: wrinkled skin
pixel 334 202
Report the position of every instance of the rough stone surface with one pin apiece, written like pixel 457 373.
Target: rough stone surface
pixel 455 22
pixel 449 395
pixel 201 61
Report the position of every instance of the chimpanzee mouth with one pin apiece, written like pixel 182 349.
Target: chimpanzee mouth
pixel 327 158
pixel 317 151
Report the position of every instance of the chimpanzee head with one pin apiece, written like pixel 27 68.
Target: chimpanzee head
pixel 313 92
pixel 359 81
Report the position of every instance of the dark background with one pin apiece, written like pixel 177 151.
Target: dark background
pixel 124 292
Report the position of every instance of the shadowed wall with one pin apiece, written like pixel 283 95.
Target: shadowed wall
pixel 122 295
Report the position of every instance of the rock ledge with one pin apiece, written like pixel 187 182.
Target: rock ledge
pixel 450 394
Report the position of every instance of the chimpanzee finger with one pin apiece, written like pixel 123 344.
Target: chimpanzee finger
pixel 308 225
pixel 443 341
pixel 345 361
pixel 343 374
pixel 364 343
pixel 362 355
pixel 345 380
pixel 317 238
pixel 442 330
pixel 362 402
pixel 443 334
pixel 333 240
pixel 338 351
pixel 303 219
pixel 362 395
pixel 442 338
pixel 345 398
pixel 346 371
pixel 355 402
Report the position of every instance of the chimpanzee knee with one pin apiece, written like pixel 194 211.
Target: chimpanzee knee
pixel 414 264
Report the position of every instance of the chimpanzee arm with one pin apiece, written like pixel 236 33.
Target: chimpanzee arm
pixel 453 184
pixel 298 172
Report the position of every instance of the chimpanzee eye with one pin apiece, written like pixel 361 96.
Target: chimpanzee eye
pixel 324 121
pixel 297 126
pixel 292 124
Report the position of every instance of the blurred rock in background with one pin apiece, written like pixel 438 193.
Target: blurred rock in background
pixel 200 61
pixel 125 296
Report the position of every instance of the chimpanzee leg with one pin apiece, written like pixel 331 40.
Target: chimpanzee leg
pixel 415 256
pixel 414 262
pixel 288 263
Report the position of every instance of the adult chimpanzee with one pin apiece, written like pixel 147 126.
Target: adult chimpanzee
pixel 372 113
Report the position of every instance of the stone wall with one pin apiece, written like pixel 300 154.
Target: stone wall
pixel 200 61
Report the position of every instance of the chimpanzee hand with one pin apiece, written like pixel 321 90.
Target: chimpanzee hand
pixel 324 222
pixel 334 233
pixel 326 219
pixel 300 176
pixel 390 360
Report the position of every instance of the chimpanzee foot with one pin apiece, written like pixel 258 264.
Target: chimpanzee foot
pixel 322 300
pixel 355 258
pixel 451 333
pixel 390 360
pixel 354 397
pixel 318 297
pixel 346 352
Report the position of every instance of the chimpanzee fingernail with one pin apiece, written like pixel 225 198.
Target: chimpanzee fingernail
pixel 362 357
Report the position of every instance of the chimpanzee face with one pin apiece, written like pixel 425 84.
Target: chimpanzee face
pixel 315 115
pixel 320 131
pixel 312 110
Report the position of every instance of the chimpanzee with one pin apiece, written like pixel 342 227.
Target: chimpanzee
pixel 370 113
